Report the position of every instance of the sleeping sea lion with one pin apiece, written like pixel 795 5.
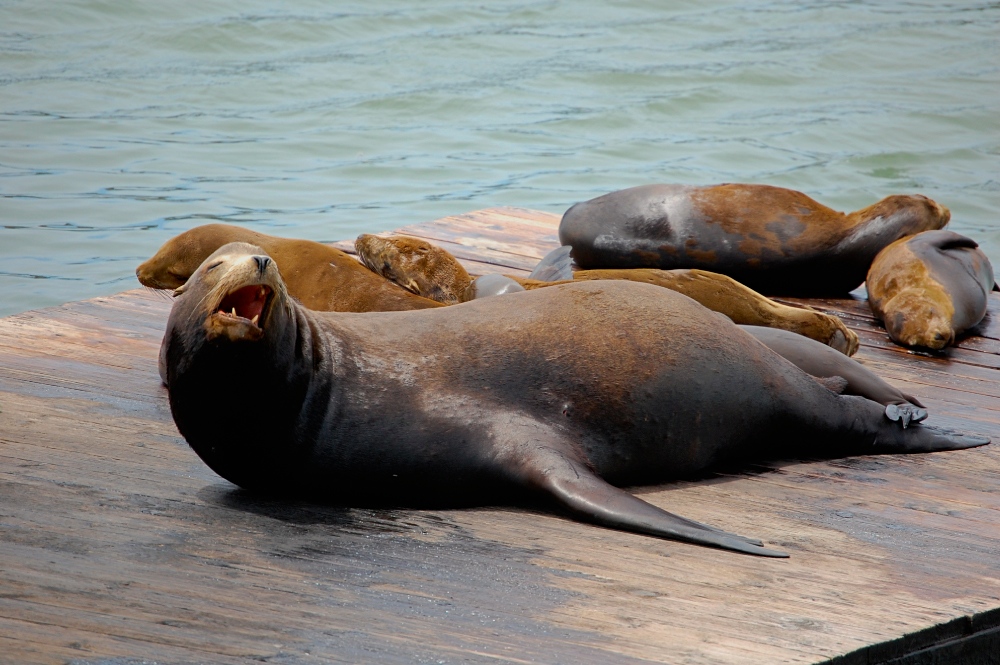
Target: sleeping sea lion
pixel 455 400
pixel 432 271
pixel 321 277
pixel 774 240
pixel 929 288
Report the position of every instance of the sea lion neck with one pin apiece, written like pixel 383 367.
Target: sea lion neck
pixel 263 393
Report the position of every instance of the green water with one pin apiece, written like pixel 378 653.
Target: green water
pixel 124 123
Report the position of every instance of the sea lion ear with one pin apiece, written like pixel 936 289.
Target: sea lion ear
pixel 180 289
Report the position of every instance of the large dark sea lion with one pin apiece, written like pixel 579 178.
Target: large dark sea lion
pixel 321 277
pixel 776 241
pixel 449 402
pixel 430 270
pixel 929 288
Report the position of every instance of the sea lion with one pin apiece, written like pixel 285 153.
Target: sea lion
pixel 929 288
pixel 487 395
pixel 415 264
pixel 321 277
pixel 776 241
pixel 435 272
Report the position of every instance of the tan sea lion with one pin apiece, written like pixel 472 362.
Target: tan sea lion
pixel 321 277
pixel 929 288
pixel 774 240
pixel 458 401
pixel 435 271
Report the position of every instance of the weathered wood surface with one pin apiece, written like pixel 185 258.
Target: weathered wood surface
pixel 117 543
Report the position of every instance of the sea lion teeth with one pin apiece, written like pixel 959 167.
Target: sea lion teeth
pixel 254 319
pixel 234 311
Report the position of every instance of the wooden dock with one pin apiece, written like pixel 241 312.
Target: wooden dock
pixel 118 546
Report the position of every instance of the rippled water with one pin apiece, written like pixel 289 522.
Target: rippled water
pixel 123 123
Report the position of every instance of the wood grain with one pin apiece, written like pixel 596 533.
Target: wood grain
pixel 117 543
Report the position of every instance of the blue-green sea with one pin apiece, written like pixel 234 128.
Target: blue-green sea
pixel 124 122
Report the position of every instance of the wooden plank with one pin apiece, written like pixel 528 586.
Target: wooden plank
pixel 116 542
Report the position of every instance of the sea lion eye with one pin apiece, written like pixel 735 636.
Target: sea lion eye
pixel 213 266
pixel 423 249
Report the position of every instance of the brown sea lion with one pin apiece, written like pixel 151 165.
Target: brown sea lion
pixel 453 401
pixel 435 271
pixel 929 288
pixel 774 240
pixel 416 265
pixel 321 277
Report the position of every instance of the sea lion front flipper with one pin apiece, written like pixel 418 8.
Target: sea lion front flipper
pixel 490 284
pixel 555 266
pixel 946 240
pixel 589 497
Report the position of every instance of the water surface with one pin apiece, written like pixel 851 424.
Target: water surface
pixel 124 123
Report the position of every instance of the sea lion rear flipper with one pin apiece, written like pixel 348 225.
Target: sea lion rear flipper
pixel 555 266
pixel 590 498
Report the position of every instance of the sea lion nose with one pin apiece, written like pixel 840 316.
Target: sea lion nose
pixel 262 263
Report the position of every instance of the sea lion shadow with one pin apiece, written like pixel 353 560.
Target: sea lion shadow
pixel 354 513
pixel 341 512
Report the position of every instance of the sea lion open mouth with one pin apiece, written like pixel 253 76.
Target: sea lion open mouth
pixel 249 302
pixel 242 314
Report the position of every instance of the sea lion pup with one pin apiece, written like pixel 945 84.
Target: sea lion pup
pixel 929 288
pixel 321 277
pixel 776 241
pixel 486 395
pixel 430 270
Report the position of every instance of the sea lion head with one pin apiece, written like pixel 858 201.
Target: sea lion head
pixel 920 319
pixel 907 214
pixel 416 265
pixel 234 296
pixel 231 344
pixel 180 256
